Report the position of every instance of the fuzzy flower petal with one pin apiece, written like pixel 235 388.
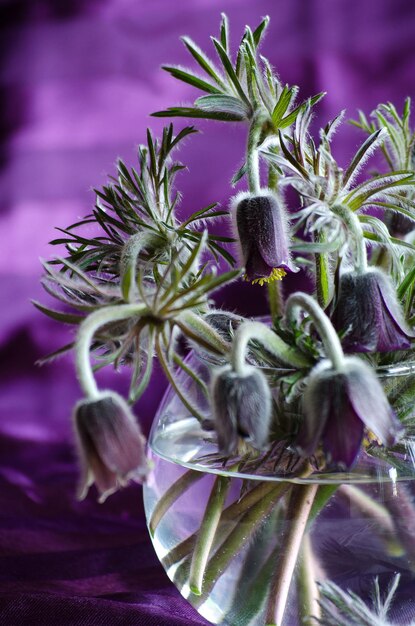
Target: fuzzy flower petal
pixel 368 311
pixel 341 448
pixel 369 401
pixel 261 225
pixel 338 406
pixel 241 406
pixel 110 443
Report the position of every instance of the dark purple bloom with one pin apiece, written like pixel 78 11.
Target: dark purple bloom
pixel 338 406
pixel 369 314
pixel 262 230
pixel 111 445
pixel 241 405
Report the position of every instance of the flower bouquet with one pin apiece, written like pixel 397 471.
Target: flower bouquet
pixel 279 476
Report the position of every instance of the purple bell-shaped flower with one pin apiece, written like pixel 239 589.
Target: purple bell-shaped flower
pixel 262 230
pixel 110 444
pixel 241 406
pixel 338 406
pixel 369 314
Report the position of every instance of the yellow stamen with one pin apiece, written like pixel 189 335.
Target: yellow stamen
pixel 277 274
pixel 370 438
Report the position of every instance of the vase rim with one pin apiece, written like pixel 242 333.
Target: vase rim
pixel 367 470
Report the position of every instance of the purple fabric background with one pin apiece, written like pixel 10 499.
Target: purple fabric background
pixel 78 80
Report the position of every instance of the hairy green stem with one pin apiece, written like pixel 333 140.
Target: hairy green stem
pixel 322 323
pixel 275 299
pixel 323 286
pixel 135 393
pixel 353 225
pixel 301 501
pixel 193 374
pixel 194 411
pixel 272 177
pixel 252 150
pixel 270 340
pixel 128 262
pixel 86 334
pixel 201 329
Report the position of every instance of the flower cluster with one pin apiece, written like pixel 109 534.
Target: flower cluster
pixel 145 282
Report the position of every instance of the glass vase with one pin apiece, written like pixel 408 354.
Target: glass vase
pixel 254 542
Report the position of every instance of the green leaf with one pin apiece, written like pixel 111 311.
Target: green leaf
pixel 397 242
pixel 315 246
pixel 205 285
pixel 221 251
pixel 185 132
pixel 152 154
pixel 271 80
pixel 238 175
pixel 205 63
pixel 289 119
pixel 224 32
pixel 395 208
pixel 251 69
pixel 407 282
pixel 406 112
pixel 282 105
pixel 51 356
pixel 259 32
pixel 203 214
pixel 197 113
pixel 224 104
pixel 323 275
pixel 213 237
pixel 375 185
pixel 395 138
pixel 290 158
pixel 226 62
pixel 362 154
pixel 59 316
pixel 191 79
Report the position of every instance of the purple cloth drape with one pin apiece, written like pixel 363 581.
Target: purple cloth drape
pixel 78 80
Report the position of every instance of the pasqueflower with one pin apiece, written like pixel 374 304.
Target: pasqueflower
pixel 110 444
pixel 368 313
pixel 241 407
pixel 262 231
pixel 338 405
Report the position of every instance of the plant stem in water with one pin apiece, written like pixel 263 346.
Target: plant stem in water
pixel 207 532
pixel 238 538
pixel 308 601
pixel 301 501
pixel 231 514
pixel 375 512
pixel 172 494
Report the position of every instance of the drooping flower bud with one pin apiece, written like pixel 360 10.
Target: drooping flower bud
pixel 369 314
pixel 110 444
pixel 241 406
pixel 338 406
pixel 262 231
